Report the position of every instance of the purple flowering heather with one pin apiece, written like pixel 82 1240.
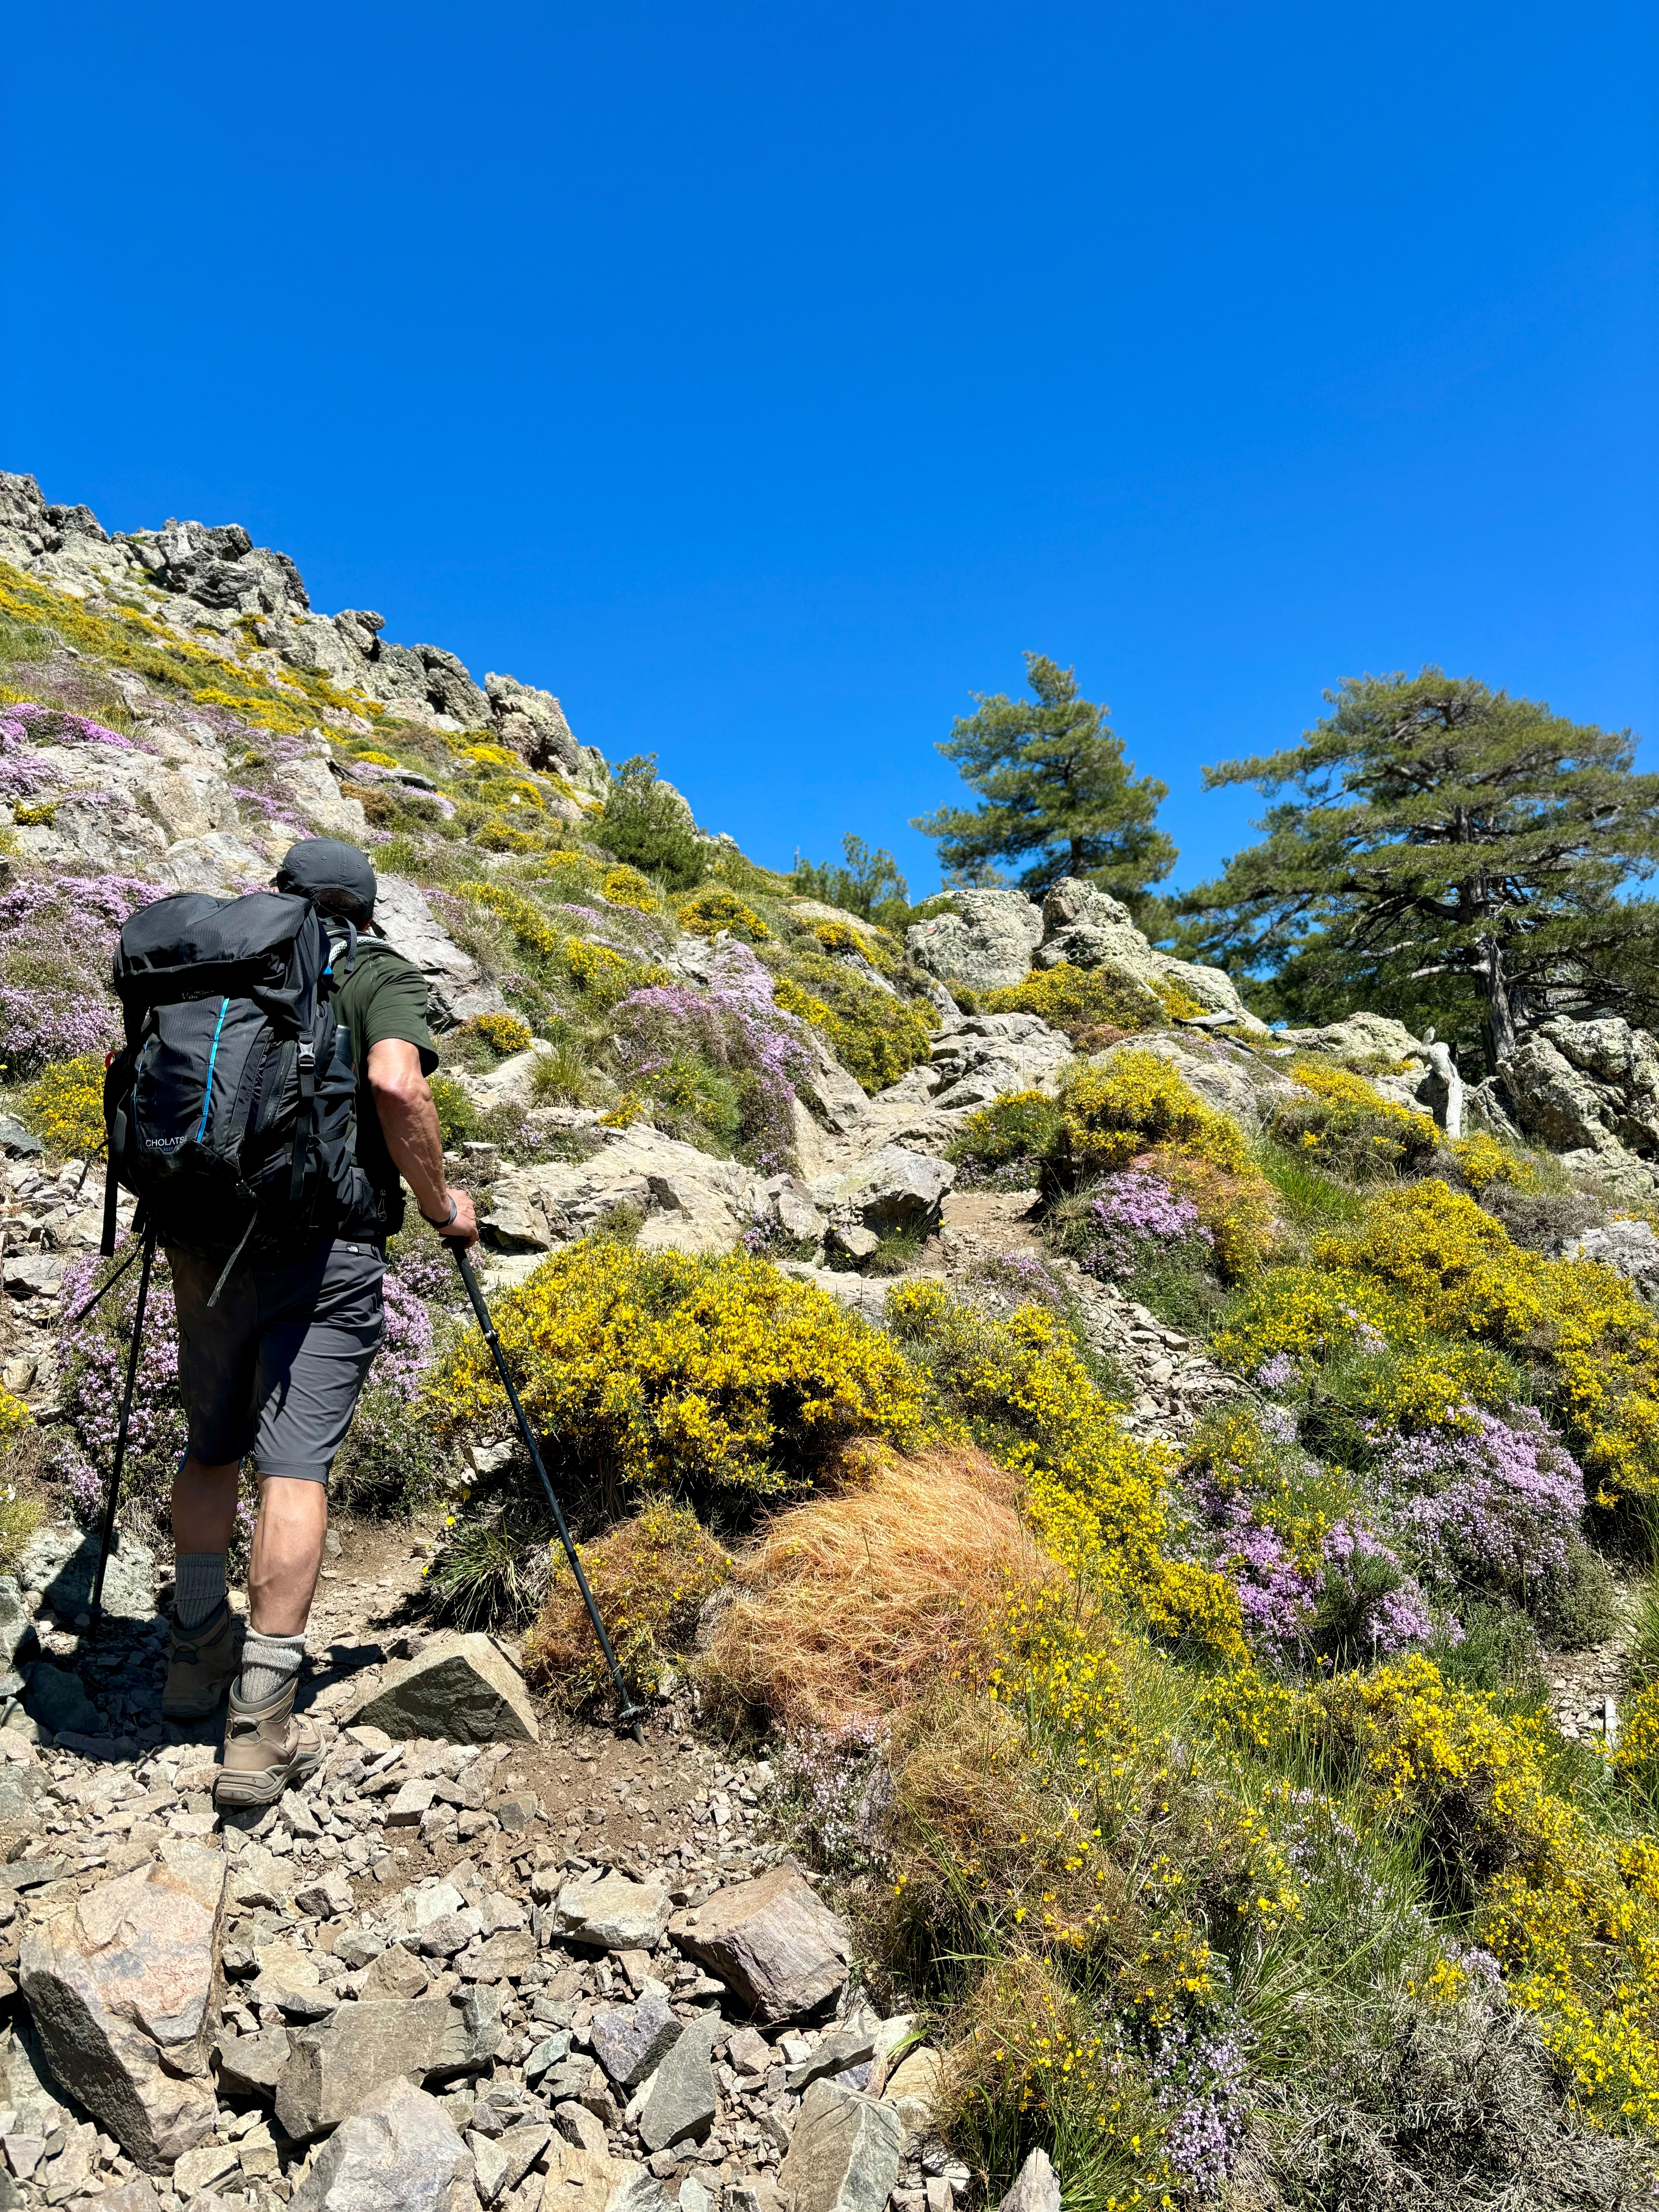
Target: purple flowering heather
pixel 57 725
pixel 735 1028
pixel 406 1347
pixel 56 938
pixel 1397 1618
pixel 1501 1502
pixel 1276 1596
pixel 92 1357
pixel 1136 1213
pixel 1275 1372
pixel 1199 2081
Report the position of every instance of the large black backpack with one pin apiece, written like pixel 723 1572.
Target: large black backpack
pixel 232 1109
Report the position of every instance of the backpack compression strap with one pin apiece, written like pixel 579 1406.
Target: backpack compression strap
pixel 302 1119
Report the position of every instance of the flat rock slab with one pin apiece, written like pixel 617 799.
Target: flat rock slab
pixel 62 1563
pixel 614 1914
pixel 457 1687
pixel 844 2154
pixel 682 2102
pixel 54 1697
pixel 913 2089
pixel 398 2152
pixel 124 1987
pixel 333 2071
pixel 631 2041
pixel 252 2065
pixel 774 1944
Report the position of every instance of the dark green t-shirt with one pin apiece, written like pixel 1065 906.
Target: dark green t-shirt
pixel 384 996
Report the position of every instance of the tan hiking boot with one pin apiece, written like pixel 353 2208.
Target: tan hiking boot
pixel 202 1664
pixel 267 1750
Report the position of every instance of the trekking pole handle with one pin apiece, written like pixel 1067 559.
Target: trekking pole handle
pixel 630 1713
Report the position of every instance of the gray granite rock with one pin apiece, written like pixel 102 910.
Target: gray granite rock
pixel 843 2154
pixel 459 1687
pixel 682 2102
pixel 398 2152
pixel 614 1914
pixel 775 1945
pixel 333 2070
pixel 1036 2189
pixel 630 2041
pixel 62 1564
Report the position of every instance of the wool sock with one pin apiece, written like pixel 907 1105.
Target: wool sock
pixel 199 1588
pixel 270 1663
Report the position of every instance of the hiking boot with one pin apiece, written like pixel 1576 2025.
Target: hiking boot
pixel 202 1664
pixel 267 1750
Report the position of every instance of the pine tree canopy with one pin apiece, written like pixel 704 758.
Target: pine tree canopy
pixel 1056 791
pixel 1444 844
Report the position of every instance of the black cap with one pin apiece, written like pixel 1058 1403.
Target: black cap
pixel 326 864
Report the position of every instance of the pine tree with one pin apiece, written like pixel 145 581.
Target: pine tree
pixel 1444 844
pixel 1056 792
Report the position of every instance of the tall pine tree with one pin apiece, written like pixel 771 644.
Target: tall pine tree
pixel 1055 792
pixel 1443 844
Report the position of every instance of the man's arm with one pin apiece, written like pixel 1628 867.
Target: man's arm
pixel 408 1121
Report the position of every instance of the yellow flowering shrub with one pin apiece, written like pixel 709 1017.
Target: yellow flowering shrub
pixel 650 1577
pixel 1094 1495
pixel 1342 1123
pixel 657 1372
pixel 529 924
pixel 875 1035
pixel 505 1034
pixel 1637 1751
pixel 490 756
pixel 605 977
pixel 1079 999
pixel 15 1417
pixel 709 912
pixel 626 886
pixel 1134 1101
pixel 64 1107
pixel 1481 1160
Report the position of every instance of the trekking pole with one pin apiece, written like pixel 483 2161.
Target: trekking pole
pixel 96 1607
pixel 98 1296
pixel 629 1714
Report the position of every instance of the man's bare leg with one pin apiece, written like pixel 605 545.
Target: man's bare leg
pixel 287 1554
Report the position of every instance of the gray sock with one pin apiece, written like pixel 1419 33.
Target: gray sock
pixel 198 1587
pixel 268 1664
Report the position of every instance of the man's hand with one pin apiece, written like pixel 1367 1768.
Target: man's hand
pixel 464 1230
pixel 409 1118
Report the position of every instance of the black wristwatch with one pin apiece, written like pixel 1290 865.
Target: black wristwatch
pixel 453 1210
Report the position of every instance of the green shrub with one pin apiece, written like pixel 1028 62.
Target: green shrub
pixel 876 1035
pixel 458 1116
pixel 1338 1119
pixel 646 825
pixel 1008 1140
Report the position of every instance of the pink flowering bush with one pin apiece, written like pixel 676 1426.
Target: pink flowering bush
pixel 57 936
pixel 1134 1215
pixel 92 1357
pixel 1499 1500
pixel 731 1029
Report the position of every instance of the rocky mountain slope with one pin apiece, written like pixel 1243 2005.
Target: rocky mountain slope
pixel 1014 1187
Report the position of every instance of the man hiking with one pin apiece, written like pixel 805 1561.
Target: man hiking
pixel 273 1352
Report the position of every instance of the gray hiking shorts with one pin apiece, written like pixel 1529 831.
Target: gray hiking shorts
pixel 275 1369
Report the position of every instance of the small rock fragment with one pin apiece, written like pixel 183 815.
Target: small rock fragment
pixel 773 1942
pixel 1036 2189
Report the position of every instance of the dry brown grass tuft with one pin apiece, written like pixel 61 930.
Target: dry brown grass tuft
pixel 650 1576
pixel 855 1605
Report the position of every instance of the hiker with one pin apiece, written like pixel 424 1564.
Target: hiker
pixel 272 1366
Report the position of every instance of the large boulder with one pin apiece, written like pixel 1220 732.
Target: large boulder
pixel 982 938
pixel 399 2152
pixel 1630 1247
pixel 844 2152
pixel 459 1687
pixel 979 1056
pixel 453 978
pixel 62 1564
pixel 123 1985
pixel 893 1189
pixel 773 1941
pixel 1587 1087
pixel 1088 928
pixel 532 723
pixel 692 1202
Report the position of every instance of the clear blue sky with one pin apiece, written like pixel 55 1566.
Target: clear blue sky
pixel 762 379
